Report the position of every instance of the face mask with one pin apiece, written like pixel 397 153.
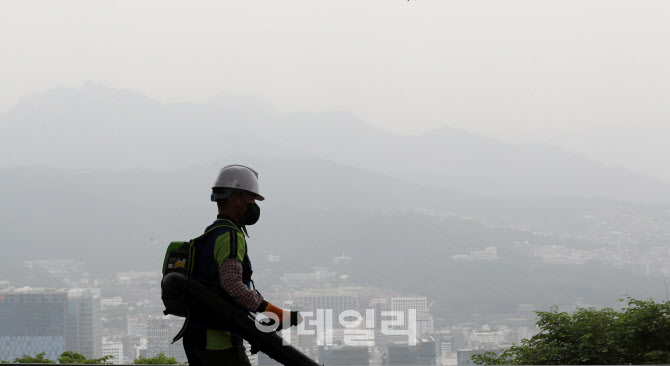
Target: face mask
pixel 252 214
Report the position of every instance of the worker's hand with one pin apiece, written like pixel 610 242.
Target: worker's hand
pixel 296 318
pixel 286 318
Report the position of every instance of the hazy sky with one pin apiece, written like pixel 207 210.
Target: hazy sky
pixel 590 76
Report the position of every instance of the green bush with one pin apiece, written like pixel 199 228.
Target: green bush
pixel 39 358
pixel 65 357
pixel 159 359
pixel 638 334
pixel 72 357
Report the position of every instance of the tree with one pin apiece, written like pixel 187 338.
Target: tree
pixel 39 358
pixel 159 359
pixel 72 357
pixel 638 334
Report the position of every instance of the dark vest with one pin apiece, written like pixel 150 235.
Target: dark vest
pixel 207 271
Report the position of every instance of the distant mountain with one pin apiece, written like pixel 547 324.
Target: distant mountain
pixel 97 127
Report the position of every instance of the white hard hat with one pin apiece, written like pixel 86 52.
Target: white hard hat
pixel 237 177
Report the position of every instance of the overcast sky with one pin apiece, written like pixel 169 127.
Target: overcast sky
pixel 589 76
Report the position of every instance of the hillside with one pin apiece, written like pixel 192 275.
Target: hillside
pixel 122 221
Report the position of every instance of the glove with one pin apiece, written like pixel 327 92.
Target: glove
pixel 294 317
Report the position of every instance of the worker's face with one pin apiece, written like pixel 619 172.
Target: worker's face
pixel 249 212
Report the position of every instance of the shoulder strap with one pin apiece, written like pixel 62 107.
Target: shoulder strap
pixel 233 245
pixel 214 228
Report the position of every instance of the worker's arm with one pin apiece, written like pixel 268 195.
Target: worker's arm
pixel 230 274
pixel 229 251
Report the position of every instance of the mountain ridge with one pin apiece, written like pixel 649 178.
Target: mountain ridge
pixel 99 127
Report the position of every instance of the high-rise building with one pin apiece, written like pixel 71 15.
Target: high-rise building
pixel 338 299
pixel 38 320
pixel 33 321
pixel 446 345
pixel 424 323
pixel 114 349
pixel 344 355
pixel 405 303
pixel 161 330
pixel 84 322
pixel 377 306
pixel 423 353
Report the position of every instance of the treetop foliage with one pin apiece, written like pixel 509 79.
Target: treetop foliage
pixel 69 357
pixel 65 357
pixel 72 357
pixel 159 359
pixel 638 334
pixel 39 358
